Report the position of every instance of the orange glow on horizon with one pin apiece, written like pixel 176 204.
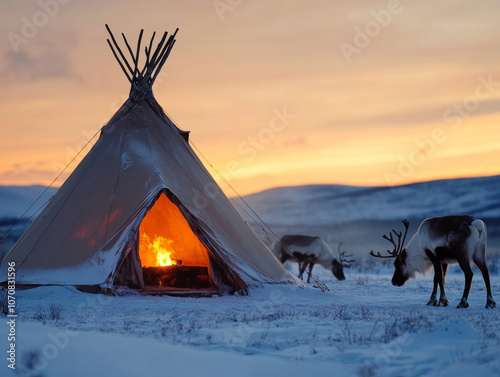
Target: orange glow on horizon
pixel 268 103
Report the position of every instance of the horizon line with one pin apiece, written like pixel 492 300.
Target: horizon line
pixel 300 185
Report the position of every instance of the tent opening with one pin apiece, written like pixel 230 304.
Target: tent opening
pixel 171 256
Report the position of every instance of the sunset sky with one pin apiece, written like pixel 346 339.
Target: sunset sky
pixel 274 93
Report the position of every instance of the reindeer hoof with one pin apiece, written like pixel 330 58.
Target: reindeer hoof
pixel 443 302
pixel 463 304
pixel 433 302
pixel 490 304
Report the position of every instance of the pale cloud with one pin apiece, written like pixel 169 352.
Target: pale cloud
pixel 47 55
pixel 43 63
pixel 27 174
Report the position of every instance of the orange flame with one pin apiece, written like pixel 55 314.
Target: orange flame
pixel 161 248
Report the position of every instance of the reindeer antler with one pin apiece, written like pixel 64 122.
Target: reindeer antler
pixel 346 263
pixel 397 247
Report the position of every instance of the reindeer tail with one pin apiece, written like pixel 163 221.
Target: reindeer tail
pixel 480 227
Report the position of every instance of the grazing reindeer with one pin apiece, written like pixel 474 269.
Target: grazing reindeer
pixel 309 250
pixel 438 242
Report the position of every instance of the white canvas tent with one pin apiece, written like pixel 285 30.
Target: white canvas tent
pixel 140 181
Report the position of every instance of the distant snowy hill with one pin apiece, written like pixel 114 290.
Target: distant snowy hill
pixel 333 204
pixel 15 200
pixel 359 216
pixel 330 204
pixel 338 213
pixel 19 205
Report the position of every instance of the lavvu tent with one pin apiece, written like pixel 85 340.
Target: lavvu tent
pixel 141 209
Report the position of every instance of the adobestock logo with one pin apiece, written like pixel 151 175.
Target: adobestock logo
pixel 30 26
pixel 372 29
pixel 223 6
pixel 253 144
pixel 249 149
pixel 454 117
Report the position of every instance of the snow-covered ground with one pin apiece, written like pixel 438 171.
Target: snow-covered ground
pixel 363 327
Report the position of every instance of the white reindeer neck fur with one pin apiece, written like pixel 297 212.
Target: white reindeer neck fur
pixel 324 254
pixel 416 258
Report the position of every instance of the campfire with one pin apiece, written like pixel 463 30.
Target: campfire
pixel 162 269
pixel 157 252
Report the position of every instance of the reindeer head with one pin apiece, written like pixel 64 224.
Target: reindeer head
pixel 401 274
pixel 339 265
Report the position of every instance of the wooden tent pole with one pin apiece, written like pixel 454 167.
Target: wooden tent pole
pixel 142 79
pixel 119 62
pixel 130 51
pixel 119 50
pixel 148 53
pixel 136 63
pixel 170 44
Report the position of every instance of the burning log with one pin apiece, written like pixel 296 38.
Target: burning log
pixel 178 276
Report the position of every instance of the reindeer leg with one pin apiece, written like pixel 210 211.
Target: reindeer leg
pixel 481 264
pixel 465 266
pixel 433 300
pixel 438 278
pixel 302 268
pixel 300 271
pixel 443 301
pixel 311 265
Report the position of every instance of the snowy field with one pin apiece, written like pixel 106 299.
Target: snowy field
pixel 363 327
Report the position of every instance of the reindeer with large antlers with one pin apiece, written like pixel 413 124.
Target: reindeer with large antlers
pixel 309 250
pixel 440 241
